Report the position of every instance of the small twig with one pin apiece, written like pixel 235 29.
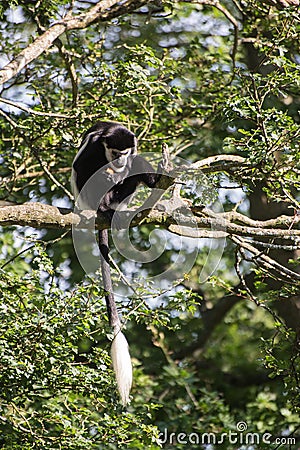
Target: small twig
pixel 52 177
pixel 71 71
pixel 271 246
pixel 35 241
pixel 17 255
pixel 11 121
pixel 162 186
pixel 269 263
pixel 237 264
pixel 160 341
pixel 229 16
pixel 36 174
pixel 238 261
pixel 101 11
pixel 34 112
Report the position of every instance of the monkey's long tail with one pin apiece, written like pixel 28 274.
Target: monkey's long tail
pixel 119 348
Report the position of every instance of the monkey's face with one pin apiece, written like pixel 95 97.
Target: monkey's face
pixel 118 159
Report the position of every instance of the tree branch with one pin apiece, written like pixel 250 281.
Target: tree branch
pixel 280 4
pixel 102 11
pixel 40 215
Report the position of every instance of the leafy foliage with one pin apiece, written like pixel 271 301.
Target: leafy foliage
pixel 207 355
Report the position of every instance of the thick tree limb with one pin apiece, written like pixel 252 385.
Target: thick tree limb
pixel 39 215
pixel 103 10
pixel 257 229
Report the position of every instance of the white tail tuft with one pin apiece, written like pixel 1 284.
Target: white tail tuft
pixel 122 365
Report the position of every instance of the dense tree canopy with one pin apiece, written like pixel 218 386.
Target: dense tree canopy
pixel 213 319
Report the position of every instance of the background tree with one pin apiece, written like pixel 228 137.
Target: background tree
pixel 218 82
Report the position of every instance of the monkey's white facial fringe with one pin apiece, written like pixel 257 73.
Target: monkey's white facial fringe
pixel 122 364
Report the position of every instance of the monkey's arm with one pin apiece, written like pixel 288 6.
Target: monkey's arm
pixel 144 172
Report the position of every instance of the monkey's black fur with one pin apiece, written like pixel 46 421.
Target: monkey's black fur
pixel 108 157
pixel 93 157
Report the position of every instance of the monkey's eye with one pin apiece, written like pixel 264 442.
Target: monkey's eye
pixel 119 153
pixel 115 154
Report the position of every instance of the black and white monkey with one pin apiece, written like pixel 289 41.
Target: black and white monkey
pixel 105 173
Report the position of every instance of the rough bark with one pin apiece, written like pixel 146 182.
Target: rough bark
pixel 40 215
pixel 103 10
